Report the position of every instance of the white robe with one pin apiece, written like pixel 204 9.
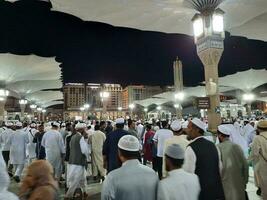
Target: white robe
pixel 54 148
pixel 31 146
pixel 18 143
pixel 4 182
pixel 179 185
pixel 4 138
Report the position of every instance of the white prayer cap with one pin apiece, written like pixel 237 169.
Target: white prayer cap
pixel 55 124
pixel 129 143
pixel 63 124
pixel 19 124
pixel 33 125
pixel 119 121
pixel 139 121
pixel 224 129
pixel 80 126
pixel 185 124
pixel 176 125
pixel 9 124
pixel 150 122
pixel 175 151
pixel 199 123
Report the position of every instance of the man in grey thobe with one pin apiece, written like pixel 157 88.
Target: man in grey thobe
pixel 132 180
pixel 234 165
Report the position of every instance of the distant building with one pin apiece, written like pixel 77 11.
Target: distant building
pixel 78 94
pixel 139 92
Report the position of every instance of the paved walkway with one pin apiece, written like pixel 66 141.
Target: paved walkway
pixel 94 189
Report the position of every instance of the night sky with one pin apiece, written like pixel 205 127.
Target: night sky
pixel 97 52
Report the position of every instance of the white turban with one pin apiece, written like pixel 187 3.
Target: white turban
pixel 224 129
pixel 119 121
pixel 19 124
pixel 80 126
pixel 175 151
pixel 199 124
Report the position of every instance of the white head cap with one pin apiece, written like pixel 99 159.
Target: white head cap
pixel 199 123
pixel 33 125
pixel 63 124
pixel 185 124
pixel 19 124
pixel 224 129
pixel 55 124
pixel 119 121
pixel 175 151
pixel 80 126
pixel 129 143
pixel 9 124
pixel 176 125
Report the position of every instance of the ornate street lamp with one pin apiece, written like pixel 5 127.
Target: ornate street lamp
pixel 22 103
pixel 248 98
pixel 209 34
pixel 3 96
pixel 104 96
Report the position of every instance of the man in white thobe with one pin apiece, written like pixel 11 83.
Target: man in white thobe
pixel 4 183
pixel 259 157
pixel 30 152
pixel 54 148
pixel 132 180
pixel 179 184
pixel 97 140
pixel 177 138
pixel 18 143
pixel 4 138
pixel 79 154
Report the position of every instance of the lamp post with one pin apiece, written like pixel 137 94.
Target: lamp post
pixel 248 98
pixel 43 114
pixel 131 106
pixel 120 111
pixel 159 113
pixel 39 110
pixel 179 97
pixel 33 108
pixel 3 96
pixel 22 103
pixel 82 109
pixel 104 96
pixel 86 106
pixel 146 114
pixel 209 35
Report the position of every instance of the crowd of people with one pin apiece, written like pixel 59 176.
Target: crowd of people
pixel 164 160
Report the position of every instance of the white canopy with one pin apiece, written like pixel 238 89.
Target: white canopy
pixel 150 101
pixel 52 103
pixel 19 68
pixel 246 80
pixel 23 88
pixel 42 97
pixel 242 17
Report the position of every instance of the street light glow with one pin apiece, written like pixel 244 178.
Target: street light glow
pixel 39 109
pixel 82 108
pixel 217 23
pixel 120 108
pixel 176 106
pixel 33 106
pixel 145 109
pixel 43 111
pixel 104 94
pixel 131 106
pixel 86 106
pixel 23 102
pixel 4 93
pixel 198 26
pixel 179 96
pixel 248 97
pixel 158 107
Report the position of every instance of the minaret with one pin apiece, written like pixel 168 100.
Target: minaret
pixel 178 83
pixel 178 75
